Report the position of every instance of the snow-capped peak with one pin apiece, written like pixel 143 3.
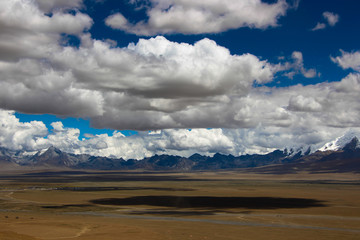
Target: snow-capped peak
pixel 340 142
pixel 298 150
pixel 42 151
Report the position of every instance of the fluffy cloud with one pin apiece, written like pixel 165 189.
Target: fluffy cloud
pixel 31 86
pixel 29 81
pixel 331 19
pixel 204 140
pixel 301 103
pixel 348 60
pixel 153 84
pixel 299 65
pixel 263 120
pixel 159 68
pixel 50 5
pixel 162 84
pixel 319 26
pixel 197 17
pixel 21 136
pixel 295 66
pixel 34 136
pixel 327 104
pixel 39 37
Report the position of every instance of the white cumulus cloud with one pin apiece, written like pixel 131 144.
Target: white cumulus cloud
pixel 197 17
pixel 50 5
pixel 319 26
pixel 331 20
pixel 153 84
pixel 16 135
pixel 295 66
pixel 348 60
pixel 25 30
pixel 33 136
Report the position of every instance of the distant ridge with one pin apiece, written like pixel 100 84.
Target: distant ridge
pixel 345 158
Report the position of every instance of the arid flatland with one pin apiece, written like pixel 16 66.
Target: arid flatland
pixel 202 205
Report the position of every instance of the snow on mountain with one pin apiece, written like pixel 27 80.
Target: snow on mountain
pixel 298 150
pixel 341 142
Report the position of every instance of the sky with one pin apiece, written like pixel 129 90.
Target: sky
pixel 135 78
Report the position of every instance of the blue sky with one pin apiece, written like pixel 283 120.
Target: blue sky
pixel 103 77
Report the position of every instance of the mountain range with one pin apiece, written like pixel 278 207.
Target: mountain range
pixel 337 156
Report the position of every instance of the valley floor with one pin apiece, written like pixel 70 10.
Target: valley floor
pixel 202 205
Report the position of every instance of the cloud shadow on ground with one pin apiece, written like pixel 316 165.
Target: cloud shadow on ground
pixel 212 202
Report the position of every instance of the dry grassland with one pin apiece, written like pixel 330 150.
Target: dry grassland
pixel 204 205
